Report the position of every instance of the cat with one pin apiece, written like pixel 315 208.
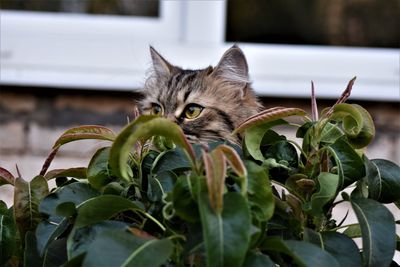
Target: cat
pixel 207 103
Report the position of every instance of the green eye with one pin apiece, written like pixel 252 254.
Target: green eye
pixel 156 110
pixel 192 111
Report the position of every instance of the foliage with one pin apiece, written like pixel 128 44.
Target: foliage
pixel 153 199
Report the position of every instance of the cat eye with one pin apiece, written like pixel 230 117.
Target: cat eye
pixel 192 111
pixel 156 110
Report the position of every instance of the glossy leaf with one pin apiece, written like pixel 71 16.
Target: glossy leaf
pixel 31 254
pixel 327 188
pixel 260 195
pixel 254 259
pixel 85 132
pixel 183 199
pixel 254 136
pixel 330 133
pixel 74 262
pixel 27 196
pixel 142 129
pixel 350 165
pixel 301 253
pixel 268 115
pixel 353 231
pixel 171 160
pixel 357 123
pixel 93 210
pixel 378 231
pixel 226 235
pixel 8 234
pixel 128 251
pixel 51 228
pixel 54 256
pixel 340 246
pixel 76 193
pixel 383 179
pixel 98 172
pixel 283 152
pixel 79 173
pixel 80 239
pixel 46 232
pixel 6 177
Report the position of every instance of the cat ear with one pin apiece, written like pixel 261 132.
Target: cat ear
pixel 233 66
pixel 161 66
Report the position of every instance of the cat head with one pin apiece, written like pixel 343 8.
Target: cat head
pixel 206 103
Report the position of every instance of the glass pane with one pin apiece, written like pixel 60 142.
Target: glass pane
pixel 148 8
pixel 367 23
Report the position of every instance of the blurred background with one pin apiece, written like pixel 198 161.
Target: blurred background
pixel 66 63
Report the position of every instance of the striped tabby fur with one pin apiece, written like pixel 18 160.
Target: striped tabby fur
pixel 222 93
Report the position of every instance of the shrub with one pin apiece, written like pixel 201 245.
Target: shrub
pixel 170 203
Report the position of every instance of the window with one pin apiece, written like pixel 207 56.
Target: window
pixel 81 46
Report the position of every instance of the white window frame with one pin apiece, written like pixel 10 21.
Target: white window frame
pixel 111 53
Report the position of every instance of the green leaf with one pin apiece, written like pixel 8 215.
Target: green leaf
pixel 254 259
pixel 183 200
pixel 98 172
pixel 75 262
pixel 56 254
pixel 302 253
pixel 283 152
pixel 8 234
pixel 226 235
pixel 328 185
pixel 119 248
pixel 171 160
pixel 46 232
pixel 350 165
pixel 113 188
pixel 303 129
pixel 31 254
pixel 253 138
pixel 6 177
pixel 85 132
pixel 357 124
pixel 378 231
pixel 260 195
pixel 79 173
pixel 51 228
pixel 143 128
pixel 383 179
pixel 76 193
pixel 340 246
pixel 103 208
pixel 27 196
pixel 80 239
pixel 353 231
pixel 330 133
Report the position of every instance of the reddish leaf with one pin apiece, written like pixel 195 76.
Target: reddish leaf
pixel 6 177
pixel 233 160
pixel 215 167
pixel 85 132
pixel 79 173
pixel 268 115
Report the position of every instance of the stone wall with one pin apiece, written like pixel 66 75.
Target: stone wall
pixel 31 119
